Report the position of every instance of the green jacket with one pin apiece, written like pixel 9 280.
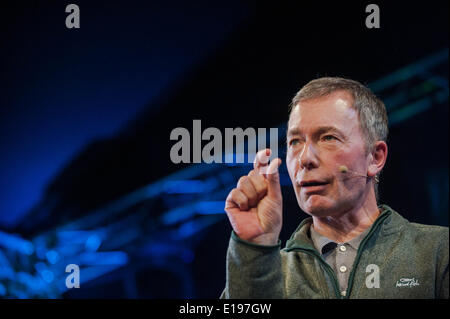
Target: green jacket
pixel 396 259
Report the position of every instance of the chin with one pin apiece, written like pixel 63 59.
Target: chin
pixel 317 206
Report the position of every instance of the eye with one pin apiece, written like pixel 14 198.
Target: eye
pixel 294 142
pixel 329 138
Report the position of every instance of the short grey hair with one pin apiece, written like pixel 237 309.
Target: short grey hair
pixel 371 110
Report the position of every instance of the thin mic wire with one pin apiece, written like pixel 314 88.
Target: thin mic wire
pixel 344 169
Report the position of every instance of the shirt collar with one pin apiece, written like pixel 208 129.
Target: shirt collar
pixel 321 241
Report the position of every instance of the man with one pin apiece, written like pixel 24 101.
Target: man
pixel 350 247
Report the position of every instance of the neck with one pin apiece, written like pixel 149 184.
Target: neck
pixel 345 226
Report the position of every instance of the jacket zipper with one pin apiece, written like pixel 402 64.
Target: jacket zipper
pixel 359 253
pixel 328 268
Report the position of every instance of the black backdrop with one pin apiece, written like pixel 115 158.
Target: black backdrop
pixel 247 80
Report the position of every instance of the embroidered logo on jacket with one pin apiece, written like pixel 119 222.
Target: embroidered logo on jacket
pixel 407 282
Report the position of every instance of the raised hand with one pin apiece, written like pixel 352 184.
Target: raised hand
pixel 255 206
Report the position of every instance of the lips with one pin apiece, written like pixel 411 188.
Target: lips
pixel 312 183
pixel 313 186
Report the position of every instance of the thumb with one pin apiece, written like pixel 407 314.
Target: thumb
pixel 273 177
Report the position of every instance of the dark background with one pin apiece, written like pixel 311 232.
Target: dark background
pixel 86 114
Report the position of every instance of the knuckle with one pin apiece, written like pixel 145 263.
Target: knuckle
pixel 233 194
pixel 252 198
pixel 239 196
pixel 243 180
pixel 258 182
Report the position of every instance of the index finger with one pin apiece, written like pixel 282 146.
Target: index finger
pixel 261 158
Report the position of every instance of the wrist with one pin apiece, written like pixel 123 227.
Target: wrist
pixel 265 240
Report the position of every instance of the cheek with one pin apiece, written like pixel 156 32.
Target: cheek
pixel 355 162
pixel 292 166
pixel 344 158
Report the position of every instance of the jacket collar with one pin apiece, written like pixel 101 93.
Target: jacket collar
pixel 389 221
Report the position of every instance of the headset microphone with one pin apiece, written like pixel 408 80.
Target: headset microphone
pixel 344 169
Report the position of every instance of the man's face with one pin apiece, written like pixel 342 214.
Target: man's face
pixel 324 134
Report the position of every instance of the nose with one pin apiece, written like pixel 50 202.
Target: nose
pixel 308 157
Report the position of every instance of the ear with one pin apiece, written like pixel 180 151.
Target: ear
pixel 377 158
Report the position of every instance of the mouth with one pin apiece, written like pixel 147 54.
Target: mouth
pixel 313 186
pixel 312 183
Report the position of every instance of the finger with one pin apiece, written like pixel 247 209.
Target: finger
pixel 237 198
pixel 273 167
pixel 261 158
pixel 246 186
pixel 274 188
pixel 259 183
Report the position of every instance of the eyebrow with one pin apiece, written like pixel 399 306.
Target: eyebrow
pixel 319 131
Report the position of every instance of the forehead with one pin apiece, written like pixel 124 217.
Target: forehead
pixel 334 110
